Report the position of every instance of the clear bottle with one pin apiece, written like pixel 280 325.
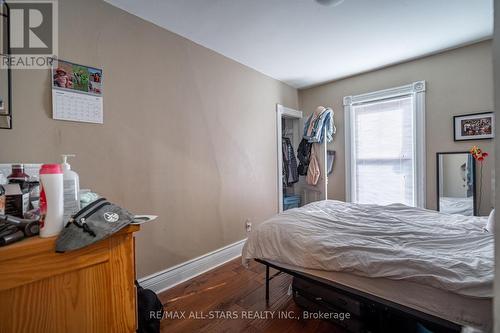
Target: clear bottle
pixel 71 189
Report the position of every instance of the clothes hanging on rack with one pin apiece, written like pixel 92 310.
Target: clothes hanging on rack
pixel 314 127
pixel 290 172
pixel 313 171
pixel 304 155
pixel 313 121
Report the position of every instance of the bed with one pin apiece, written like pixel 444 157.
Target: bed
pixel 442 262
pixel 450 205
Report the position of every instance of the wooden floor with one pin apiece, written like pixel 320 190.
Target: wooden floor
pixel 234 291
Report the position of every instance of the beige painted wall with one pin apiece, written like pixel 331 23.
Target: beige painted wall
pixel 189 135
pixel 496 62
pixel 458 82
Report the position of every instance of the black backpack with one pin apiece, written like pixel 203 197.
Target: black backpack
pixel 150 310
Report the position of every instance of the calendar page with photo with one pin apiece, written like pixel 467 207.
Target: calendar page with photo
pixel 77 92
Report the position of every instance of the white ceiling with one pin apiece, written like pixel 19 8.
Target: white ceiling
pixel 304 43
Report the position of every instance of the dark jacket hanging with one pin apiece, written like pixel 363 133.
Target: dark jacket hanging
pixel 290 173
pixel 304 156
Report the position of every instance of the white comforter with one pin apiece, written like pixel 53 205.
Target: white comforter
pixel 450 252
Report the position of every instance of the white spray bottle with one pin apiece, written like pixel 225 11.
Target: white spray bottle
pixel 71 188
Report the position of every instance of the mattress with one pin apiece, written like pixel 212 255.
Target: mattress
pixel 466 311
pixel 446 251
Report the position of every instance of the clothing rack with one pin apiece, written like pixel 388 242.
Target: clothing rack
pixel 287 132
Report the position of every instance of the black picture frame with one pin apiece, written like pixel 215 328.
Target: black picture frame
pixel 457 127
pixel 6 117
pixel 474 187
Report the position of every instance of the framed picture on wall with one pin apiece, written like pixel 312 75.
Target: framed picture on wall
pixel 5 71
pixel 474 126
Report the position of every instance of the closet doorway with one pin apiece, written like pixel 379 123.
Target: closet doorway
pixel 290 127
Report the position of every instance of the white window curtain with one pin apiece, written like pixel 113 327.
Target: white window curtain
pixel 384 145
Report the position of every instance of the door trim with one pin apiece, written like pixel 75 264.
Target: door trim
pixel 282 112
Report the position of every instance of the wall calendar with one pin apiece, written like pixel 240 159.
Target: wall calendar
pixel 77 92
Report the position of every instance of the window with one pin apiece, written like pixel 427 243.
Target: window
pixel 384 146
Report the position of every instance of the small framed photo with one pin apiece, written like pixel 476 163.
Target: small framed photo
pixel 475 126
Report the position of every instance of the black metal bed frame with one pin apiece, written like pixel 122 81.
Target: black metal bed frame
pixel 364 297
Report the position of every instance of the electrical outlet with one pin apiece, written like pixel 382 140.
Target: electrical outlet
pixel 248 225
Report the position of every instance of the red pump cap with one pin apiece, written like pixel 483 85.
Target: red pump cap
pixel 48 169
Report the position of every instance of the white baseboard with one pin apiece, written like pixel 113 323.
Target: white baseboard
pixel 172 276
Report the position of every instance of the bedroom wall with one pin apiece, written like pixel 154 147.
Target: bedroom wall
pixel 496 64
pixel 189 135
pixel 459 81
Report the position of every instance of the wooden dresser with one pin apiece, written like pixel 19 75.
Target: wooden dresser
pixel 88 290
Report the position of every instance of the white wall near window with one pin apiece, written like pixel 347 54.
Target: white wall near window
pixel 385 146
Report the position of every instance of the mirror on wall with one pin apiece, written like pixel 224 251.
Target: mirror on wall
pixel 456 188
pixel 5 73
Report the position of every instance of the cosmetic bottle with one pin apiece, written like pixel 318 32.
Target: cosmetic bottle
pixel 71 188
pixel 18 176
pixel 51 200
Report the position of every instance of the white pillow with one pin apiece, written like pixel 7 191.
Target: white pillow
pixel 490 225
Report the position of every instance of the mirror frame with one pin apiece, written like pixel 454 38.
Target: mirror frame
pixel 5 20
pixel 474 197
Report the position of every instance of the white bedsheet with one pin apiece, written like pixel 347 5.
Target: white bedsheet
pixel 450 252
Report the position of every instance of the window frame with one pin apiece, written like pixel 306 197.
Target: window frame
pixel 415 90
